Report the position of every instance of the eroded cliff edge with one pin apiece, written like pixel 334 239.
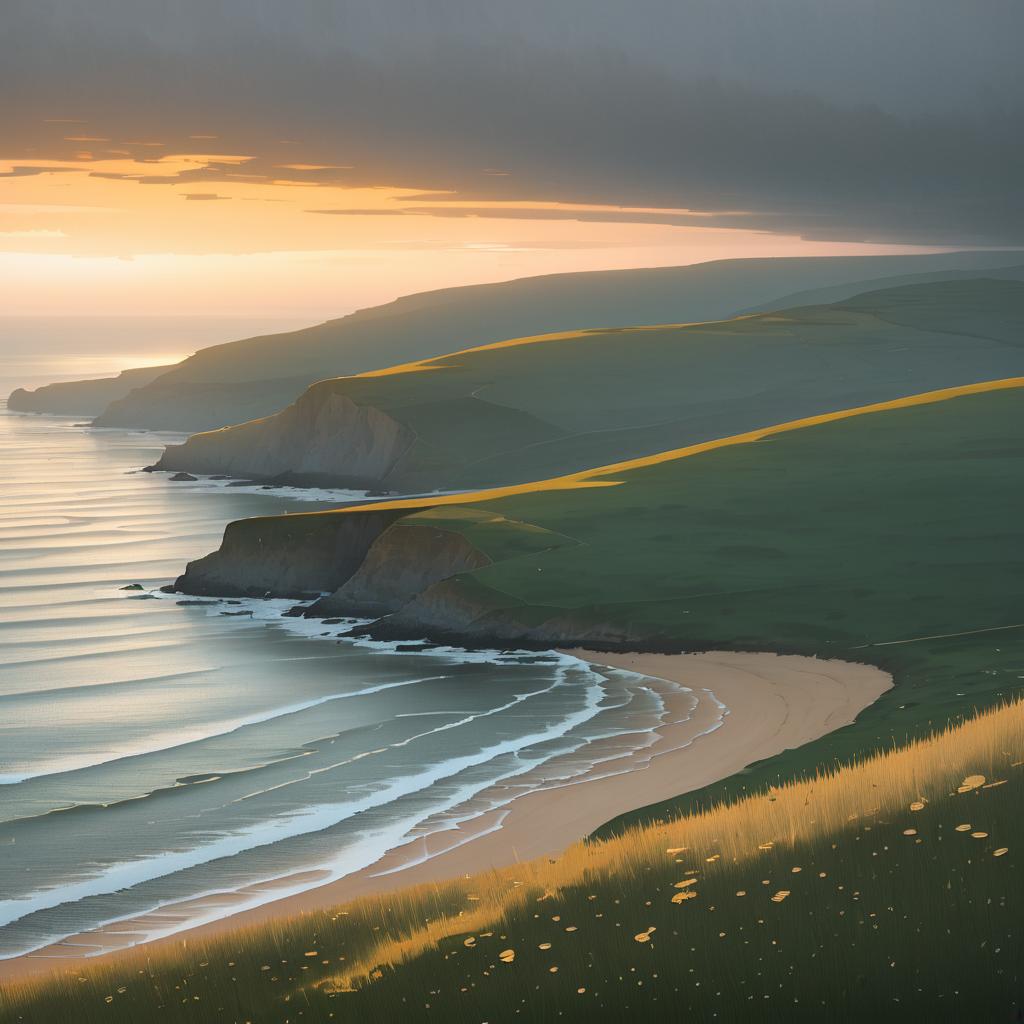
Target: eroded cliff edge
pixel 408 568
pixel 402 562
pixel 322 438
pixel 300 556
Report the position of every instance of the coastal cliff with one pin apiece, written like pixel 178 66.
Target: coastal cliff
pixel 397 567
pixel 401 563
pixel 82 397
pixel 407 564
pixel 323 438
pixel 285 556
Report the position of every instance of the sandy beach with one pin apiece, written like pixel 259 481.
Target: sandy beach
pixel 749 706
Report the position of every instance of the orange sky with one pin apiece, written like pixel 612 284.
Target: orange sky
pixel 120 227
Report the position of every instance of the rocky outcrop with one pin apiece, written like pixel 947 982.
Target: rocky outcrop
pixel 405 560
pixel 287 556
pixel 323 438
pixel 82 397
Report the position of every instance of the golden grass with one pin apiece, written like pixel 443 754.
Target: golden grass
pixel 989 746
pixel 438 362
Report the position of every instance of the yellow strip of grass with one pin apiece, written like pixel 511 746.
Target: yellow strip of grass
pixel 438 362
pixel 990 745
pixel 594 477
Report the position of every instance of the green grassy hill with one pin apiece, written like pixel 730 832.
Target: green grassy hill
pixel 553 404
pixel 255 377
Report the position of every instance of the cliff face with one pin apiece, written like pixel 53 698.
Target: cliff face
pixel 323 437
pixel 402 562
pixel 410 564
pixel 286 556
pixel 82 397
pixel 393 565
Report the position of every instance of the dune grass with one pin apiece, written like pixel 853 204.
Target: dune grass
pixel 888 888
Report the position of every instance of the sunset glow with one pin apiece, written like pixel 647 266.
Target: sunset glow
pixel 124 227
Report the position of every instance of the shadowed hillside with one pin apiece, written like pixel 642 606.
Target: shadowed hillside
pixel 82 397
pixel 255 377
pixel 541 406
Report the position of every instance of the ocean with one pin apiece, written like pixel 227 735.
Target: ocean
pixel 157 753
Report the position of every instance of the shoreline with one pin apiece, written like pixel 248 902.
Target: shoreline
pixel 751 706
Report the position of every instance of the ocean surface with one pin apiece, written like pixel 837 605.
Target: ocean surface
pixel 155 751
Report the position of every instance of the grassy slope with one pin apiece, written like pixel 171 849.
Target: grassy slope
pixel 545 405
pixel 425 323
pixel 888 890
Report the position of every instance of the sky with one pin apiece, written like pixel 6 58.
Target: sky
pixel 249 157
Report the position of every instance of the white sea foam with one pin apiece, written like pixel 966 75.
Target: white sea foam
pixel 333 495
pixel 123 876
pixel 184 736
pixel 370 847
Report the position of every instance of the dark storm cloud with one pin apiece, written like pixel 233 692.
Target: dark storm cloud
pixel 851 119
